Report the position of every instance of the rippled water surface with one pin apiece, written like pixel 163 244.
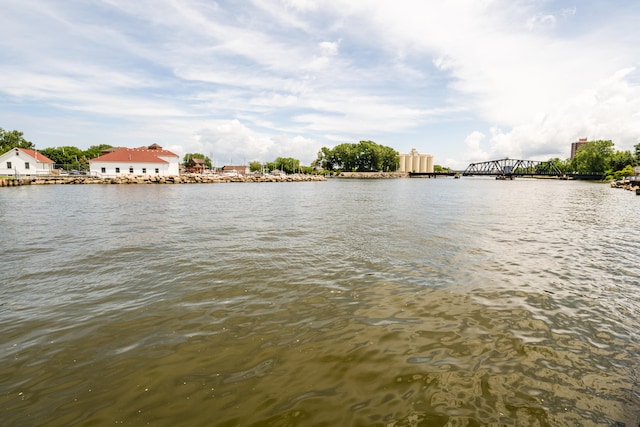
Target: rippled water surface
pixel 470 302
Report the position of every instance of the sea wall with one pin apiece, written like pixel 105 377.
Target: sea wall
pixel 156 179
pixel 372 175
pixel 627 184
pixel 10 182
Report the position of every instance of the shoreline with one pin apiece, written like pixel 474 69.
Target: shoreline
pixel 371 175
pixel 627 184
pixel 156 179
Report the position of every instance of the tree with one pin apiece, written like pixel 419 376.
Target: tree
pixel 365 156
pixel 13 139
pixel 287 164
pixel 620 159
pixel 325 158
pixel 620 174
pixel 68 157
pixel 563 166
pixel 96 151
pixel 637 153
pixel 438 168
pixel 593 157
pixel 255 166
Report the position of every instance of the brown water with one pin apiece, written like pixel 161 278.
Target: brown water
pixel 469 302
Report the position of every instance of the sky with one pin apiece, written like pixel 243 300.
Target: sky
pixel 252 80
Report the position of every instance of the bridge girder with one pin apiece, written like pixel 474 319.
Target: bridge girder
pixel 513 167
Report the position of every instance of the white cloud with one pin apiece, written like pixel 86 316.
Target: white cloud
pixel 474 152
pixel 232 142
pixel 541 22
pixel 608 111
pixel 257 79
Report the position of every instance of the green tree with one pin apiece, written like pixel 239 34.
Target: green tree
pixel 593 157
pixel 255 166
pixel 620 159
pixel 67 157
pixel 563 165
pixel 287 164
pixel 620 174
pixel 325 158
pixel 95 151
pixel 365 156
pixel 13 139
pixel 637 153
pixel 390 159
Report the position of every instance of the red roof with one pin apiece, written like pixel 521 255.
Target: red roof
pixel 39 157
pixel 135 155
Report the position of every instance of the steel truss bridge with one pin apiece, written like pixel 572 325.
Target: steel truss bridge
pixel 510 168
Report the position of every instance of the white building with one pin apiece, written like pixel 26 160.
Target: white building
pixel 416 162
pixel 152 160
pixel 22 161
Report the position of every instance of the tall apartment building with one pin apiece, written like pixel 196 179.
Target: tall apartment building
pixel 575 146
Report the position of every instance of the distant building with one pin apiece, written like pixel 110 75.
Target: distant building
pixel 575 146
pixel 152 160
pixel 22 161
pixel 416 162
pixel 195 165
pixel 235 170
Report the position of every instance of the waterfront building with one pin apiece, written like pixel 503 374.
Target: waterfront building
pixel 416 162
pixel 152 160
pixel 575 146
pixel 235 170
pixel 195 165
pixel 22 161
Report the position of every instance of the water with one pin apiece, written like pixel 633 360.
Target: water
pixel 470 302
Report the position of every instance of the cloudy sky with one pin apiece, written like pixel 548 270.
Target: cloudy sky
pixel 242 80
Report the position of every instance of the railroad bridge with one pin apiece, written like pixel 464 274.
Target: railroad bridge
pixel 510 168
pixel 507 168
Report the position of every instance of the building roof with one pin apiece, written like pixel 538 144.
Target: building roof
pixel 196 161
pixel 36 155
pixel 135 155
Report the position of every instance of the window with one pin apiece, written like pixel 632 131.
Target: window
pixel 26 165
pixel 130 169
pixel 8 165
pixel 144 170
pixel 103 170
pixel 117 170
pixel 157 170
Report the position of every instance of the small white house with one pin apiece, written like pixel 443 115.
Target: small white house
pixel 152 160
pixel 22 161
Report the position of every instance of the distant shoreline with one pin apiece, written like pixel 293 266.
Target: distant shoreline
pixel 157 179
pixel 371 175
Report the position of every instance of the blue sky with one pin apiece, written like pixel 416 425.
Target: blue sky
pixel 465 81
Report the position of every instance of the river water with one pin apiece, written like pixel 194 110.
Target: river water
pixel 405 302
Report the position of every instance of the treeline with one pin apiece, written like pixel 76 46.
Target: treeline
pixel 365 156
pixel 72 157
pixel 601 158
pixel 69 157
pixel 13 139
pixel 287 165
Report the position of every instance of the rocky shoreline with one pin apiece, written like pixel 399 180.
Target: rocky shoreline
pixel 371 175
pixel 627 184
pixel 155 179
